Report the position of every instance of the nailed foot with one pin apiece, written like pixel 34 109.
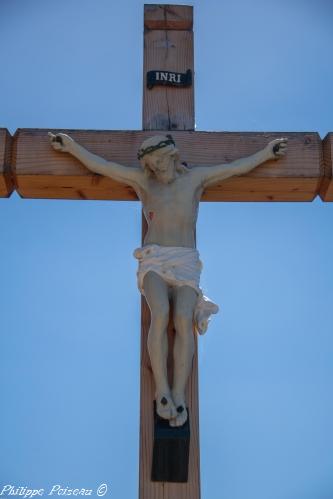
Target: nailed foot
pixel 165 407
pixel 181 417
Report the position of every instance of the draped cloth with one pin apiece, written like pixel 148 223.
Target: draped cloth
pixel 177 266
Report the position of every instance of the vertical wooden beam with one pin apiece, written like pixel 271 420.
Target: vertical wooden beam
pixel 6 183
pixel 168 46
pixel 326 188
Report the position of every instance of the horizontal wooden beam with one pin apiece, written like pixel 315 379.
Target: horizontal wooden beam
pixel 326 188
pixel 170 17
pixel 6 184
pixel 41 172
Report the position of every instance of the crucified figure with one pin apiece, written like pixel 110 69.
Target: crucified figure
pixel 169 265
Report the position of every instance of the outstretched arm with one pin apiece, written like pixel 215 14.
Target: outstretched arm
pixel 127 175
pixel 212 174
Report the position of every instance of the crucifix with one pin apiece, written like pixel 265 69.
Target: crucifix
pixel 128 165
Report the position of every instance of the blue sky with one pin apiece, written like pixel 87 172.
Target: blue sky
pixel 70 308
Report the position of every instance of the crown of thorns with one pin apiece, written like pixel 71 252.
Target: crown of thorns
pixel 162 143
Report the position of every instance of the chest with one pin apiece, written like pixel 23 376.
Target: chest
pixel 179 194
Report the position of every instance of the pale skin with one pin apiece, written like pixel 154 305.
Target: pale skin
pixel 170 202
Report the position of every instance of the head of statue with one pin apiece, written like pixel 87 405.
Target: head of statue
pixel 159 157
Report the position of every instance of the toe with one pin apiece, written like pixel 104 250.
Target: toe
pixel 182 417
pixel 172 422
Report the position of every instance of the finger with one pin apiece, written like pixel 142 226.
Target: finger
pixel 280 146
pixel 280 141
pixel 55 138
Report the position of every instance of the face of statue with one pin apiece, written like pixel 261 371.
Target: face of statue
pixel 162 163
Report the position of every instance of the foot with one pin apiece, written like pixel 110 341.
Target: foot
pixel 181 417
pixel 165 407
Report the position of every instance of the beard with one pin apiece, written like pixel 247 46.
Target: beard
pixel 165 177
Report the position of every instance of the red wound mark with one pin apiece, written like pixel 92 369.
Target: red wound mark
pixel 151 215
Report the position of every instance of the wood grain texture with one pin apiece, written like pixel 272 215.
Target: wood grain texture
pixel 42 172
pixel 160 490
pixel 168 108
pixel 326 188
pixel 169 17
pixel 6 182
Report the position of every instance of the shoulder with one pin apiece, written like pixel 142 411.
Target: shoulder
pixel 196 173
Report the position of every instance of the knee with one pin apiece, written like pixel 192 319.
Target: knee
pixel 183 320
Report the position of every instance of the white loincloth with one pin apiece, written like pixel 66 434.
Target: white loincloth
pixel 177 266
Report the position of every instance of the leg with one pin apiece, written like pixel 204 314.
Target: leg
pixel 156 292
pixel 185 299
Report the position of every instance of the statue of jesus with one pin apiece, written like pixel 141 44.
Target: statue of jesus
pixel 169 264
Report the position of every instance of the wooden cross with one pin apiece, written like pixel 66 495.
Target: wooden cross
pixel 30 166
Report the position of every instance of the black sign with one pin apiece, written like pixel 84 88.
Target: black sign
pixel 169 78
